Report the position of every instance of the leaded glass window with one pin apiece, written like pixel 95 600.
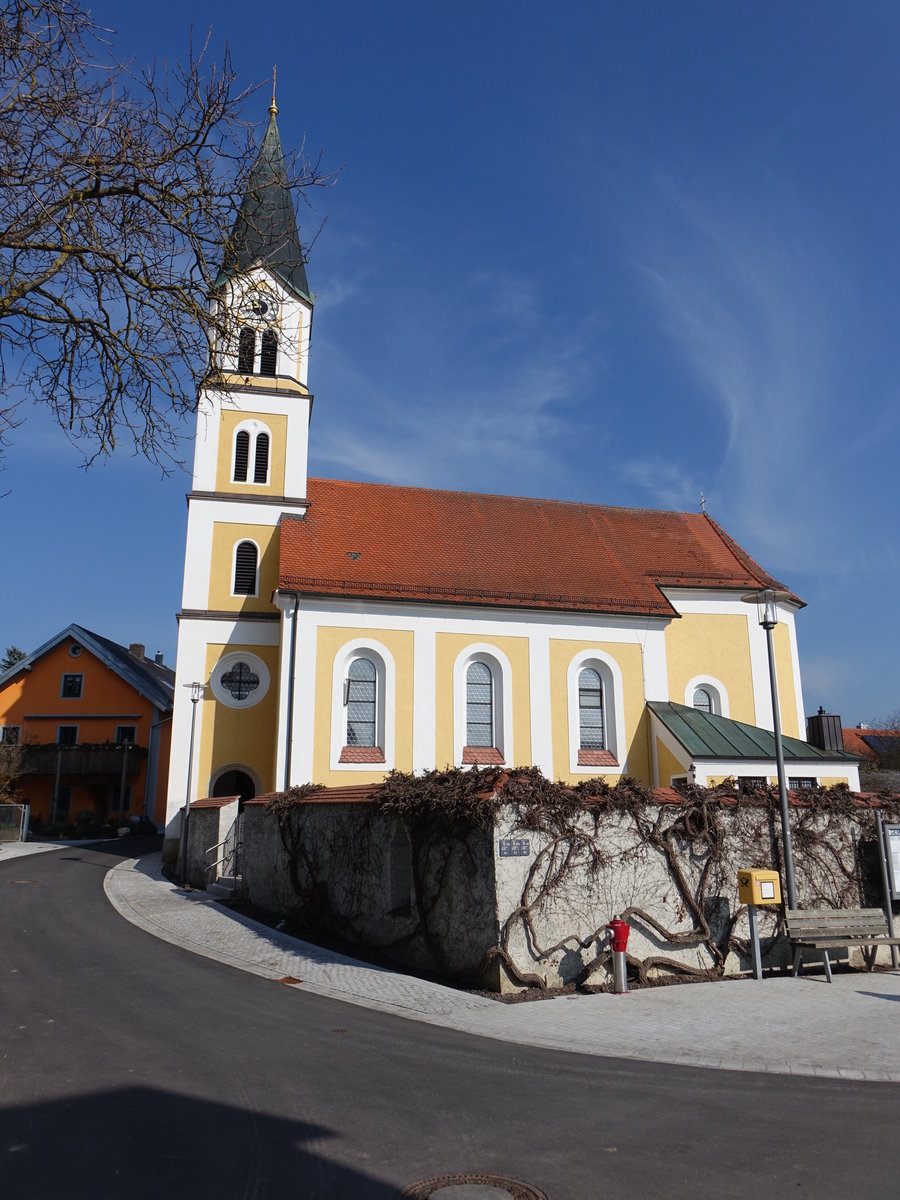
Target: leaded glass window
pixel 591 733
pixel 240 681
pixel 702 700
pixel 479 705
pixel 361 688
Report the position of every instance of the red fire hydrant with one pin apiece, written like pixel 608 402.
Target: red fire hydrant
pixel 619 931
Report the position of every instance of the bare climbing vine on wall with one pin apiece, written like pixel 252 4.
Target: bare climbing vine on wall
pixel 701 834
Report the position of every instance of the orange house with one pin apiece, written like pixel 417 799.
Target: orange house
pixel 93 721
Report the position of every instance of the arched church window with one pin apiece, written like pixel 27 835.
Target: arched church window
pixel 241 456
pixel 479 705
pixel 269 357
pixel 703 700
pixel 246 350
pixel 361 698
pixel 591 734
pixel 261 459
pixel 245 559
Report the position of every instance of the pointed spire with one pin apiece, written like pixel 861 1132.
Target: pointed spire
pixel 265 232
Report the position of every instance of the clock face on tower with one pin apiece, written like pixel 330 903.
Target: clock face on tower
pixel 259 306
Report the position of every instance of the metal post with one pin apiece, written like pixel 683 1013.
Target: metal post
pixel 768 625
pixel 754 942
pixel 196 693
pixel 886 884
pixel 620 973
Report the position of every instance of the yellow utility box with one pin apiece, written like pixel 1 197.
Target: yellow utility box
pixel 759 887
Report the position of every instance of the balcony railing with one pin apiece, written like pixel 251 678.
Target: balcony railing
pixel 84 760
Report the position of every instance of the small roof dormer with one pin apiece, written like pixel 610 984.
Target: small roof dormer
pixel 265 232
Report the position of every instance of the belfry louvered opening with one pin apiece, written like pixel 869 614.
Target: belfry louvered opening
pixel 245 560
pixel 241 456
pixel 246 350
pixel 261 459
pixel 268 358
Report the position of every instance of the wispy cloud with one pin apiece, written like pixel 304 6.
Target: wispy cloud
pixel 669 486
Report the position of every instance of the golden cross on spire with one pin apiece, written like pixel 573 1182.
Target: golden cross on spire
pixel 273 107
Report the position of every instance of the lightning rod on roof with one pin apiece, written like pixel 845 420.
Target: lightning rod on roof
pixel 702 503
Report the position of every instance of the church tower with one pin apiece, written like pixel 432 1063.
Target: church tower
pixel 249 470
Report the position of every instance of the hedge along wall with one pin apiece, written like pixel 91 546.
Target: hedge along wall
pixel 417 871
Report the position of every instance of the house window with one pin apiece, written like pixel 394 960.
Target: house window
pixel 246 351
pixel 67 735
pixel 245 559
pixel 71 687
pixel 801 784
pixel 591 733
pixel 702 700
pixel 268 358
pixel 361 694
pixel 126 735
pixel 752 783
pixel 261 459
pixel 10 734
pixel 241 456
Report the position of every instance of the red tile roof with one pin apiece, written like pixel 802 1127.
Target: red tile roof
pixel 854 740
pixel 369 539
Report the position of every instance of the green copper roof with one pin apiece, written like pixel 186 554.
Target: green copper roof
pixel 265 232
pixel 704 735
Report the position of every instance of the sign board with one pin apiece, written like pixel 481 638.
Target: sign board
pixel 892 850
pixel 517 847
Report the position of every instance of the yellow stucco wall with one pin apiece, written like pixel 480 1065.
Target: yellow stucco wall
pixel 635 750
pixel 226 536
pixel 717 645
pixel 277 425
pixel 448 647
pixel 239 737
pixel 329 641
pixel 787 695
pixel 668 764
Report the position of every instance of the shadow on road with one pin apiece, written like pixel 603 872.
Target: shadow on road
pixel 145 1143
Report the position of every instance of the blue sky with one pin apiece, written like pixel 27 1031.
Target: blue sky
pixel 610 252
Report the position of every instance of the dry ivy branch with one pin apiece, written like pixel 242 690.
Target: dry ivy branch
pixel 118 190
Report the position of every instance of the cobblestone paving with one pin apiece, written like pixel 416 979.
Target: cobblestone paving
pixel 849 1029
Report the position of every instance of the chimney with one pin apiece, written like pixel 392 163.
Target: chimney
pixel 158 658
pixel 136 650
pixel 824 731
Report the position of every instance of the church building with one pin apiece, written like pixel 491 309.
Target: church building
pixel 337 630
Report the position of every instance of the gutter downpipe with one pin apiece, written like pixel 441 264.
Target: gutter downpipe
pixel 289 708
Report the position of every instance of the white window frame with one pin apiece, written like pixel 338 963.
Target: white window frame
pixel 224 665
pixel 254 428
pixel 385 719
pixel 717 693
pixel 501 679
pixel 613 710
pixel 4 734
pixel 244 595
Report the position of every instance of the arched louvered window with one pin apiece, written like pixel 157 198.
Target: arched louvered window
pixel 361 696
pixel 245 558
pixel 241 456
pixel 479 705
pixel 261 459
pixel 269 356
pixel 591 734
pixel 246 351
pixel 703 700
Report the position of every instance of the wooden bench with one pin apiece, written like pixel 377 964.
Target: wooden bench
pixel 837 929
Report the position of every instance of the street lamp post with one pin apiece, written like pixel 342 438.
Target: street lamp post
pixel 197 690
pixel 766 602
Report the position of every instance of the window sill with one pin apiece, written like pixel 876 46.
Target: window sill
pixel 362 754
pixel 483 756
pixel 596 758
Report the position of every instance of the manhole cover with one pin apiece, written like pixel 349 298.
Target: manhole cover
pixel 472 1187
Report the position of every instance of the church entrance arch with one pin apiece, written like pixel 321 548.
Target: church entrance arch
pixel 233 781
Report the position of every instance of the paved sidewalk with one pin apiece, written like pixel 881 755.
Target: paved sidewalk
pixel 849 1029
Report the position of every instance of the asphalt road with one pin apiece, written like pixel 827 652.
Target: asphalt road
pixel 130 1068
